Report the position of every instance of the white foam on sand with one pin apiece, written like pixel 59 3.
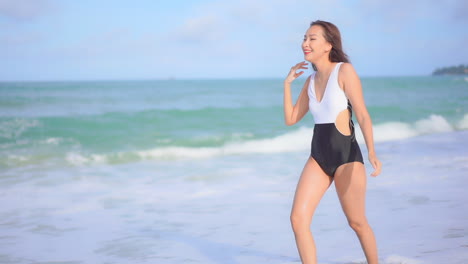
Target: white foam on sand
pixel 234 209
pixel 395 259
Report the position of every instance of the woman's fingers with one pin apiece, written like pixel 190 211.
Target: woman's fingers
pixel 301 65
pixel 377 167
pixel 293 74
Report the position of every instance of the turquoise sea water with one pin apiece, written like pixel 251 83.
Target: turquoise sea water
pixel 115 122
pixel 204 171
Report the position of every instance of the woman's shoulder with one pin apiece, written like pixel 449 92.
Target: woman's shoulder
pixel 347 70
pixel 346 66
pixel 347 75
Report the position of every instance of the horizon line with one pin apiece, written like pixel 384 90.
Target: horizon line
pixel 203 78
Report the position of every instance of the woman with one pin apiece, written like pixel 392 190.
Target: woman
pixel 329 94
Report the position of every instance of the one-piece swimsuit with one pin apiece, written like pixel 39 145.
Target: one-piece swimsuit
pixel 330 148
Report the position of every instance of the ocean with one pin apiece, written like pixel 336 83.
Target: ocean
pixel 204 171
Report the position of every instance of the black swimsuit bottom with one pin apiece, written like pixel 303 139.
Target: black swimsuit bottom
pixel 332 149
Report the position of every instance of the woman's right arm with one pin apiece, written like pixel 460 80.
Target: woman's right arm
pixel 293 114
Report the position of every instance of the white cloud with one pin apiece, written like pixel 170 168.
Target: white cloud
pixel 200 29
pixel 240 38
pixel 116 45
pixel 460 11
pixel 25 10
pixel 23 38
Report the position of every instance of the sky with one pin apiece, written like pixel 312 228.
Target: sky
pixel 204 39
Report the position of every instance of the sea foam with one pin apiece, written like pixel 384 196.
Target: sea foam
pixel 78 159
pixel 299 140
pixel 398 130
pixel 293 141
pixel 463 124
pixel 14 128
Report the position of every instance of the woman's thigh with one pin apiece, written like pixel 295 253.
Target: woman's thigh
pixel 350 182
pixel 310 189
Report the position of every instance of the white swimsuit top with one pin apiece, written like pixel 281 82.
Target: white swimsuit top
pixel 333 100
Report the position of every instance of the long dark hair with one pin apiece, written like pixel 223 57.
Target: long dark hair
pixel 332 35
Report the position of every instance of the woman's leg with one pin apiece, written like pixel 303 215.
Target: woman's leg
pixel 350 182
pixel 310 189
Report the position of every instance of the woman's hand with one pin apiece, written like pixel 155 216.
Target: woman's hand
pixel 376 164
pixel 292 73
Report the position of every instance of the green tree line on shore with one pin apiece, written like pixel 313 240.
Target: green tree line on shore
pixel 460 69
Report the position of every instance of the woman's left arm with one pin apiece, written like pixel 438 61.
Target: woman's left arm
pixel 353 90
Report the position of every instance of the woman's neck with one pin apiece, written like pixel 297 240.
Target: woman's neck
pixel 324 68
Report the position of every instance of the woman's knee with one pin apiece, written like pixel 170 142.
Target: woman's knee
pixel 358 225
pixel 300 222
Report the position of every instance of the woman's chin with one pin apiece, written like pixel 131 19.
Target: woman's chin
pixel 307 57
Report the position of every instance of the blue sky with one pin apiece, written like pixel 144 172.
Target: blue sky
pixel 144 39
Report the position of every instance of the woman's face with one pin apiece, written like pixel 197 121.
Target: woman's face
pixel 314 45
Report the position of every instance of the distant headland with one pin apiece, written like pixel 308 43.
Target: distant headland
pixel 453 70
